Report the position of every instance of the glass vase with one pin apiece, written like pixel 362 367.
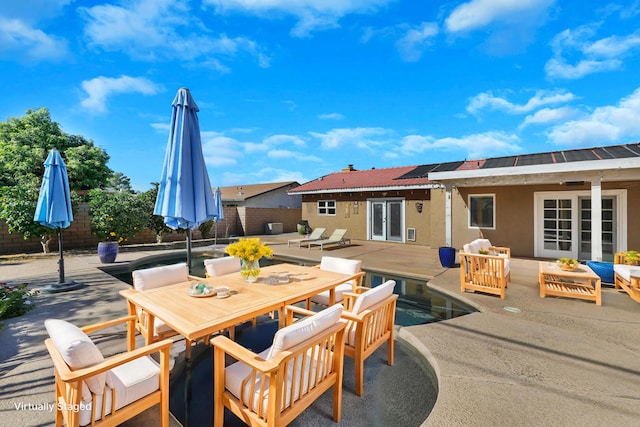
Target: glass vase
pixel 250 270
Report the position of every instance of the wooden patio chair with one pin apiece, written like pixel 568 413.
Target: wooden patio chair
pixel 627 276
pixel 316 234
pixel 479 246
pixel 338 265
pixel 484 273
pixel 92 390
pixel 370 315
pixel 149 278
pixel 336 238
pixel 274 387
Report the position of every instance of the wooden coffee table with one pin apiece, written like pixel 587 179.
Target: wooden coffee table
pixel 582 283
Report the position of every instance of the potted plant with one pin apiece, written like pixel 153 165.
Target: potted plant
pixel 115 218
pixel 249 251
pixel 631 257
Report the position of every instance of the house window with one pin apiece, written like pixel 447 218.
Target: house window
pixel 326 207
pixel 482 211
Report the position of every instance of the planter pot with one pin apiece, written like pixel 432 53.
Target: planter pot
pixel 447 256
pixel 107 252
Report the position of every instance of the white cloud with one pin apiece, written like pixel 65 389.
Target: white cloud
pixel 548 115
pixel 415 144
pixel 219 150
pixel 24 43
pixel 480 13
pixel 101 88
pixel 163 29
pixel 284 139
pixel 415 40
pixel 331 116
pixel 605 124
pixel 312 15
pixel 487 144
pixel 598 56
pixel 360 137
pixel 293 155
pixel 487 101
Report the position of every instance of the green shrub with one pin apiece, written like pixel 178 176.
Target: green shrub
pixel 15 300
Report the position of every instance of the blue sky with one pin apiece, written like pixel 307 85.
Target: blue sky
pixel 296 89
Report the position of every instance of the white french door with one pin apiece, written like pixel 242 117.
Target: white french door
pixel 563 224
pixel 386 220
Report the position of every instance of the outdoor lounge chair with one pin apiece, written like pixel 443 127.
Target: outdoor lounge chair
pixel 487 273
pixel 627 276
pixel 338 265
pixel 316 234
pixel 107 391
pixel 336 238
pixel 274 387
pixel 150 328
pixel 479 245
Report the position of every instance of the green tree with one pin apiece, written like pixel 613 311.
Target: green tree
pixel 116 215
pixel 154 222
pixel 25 143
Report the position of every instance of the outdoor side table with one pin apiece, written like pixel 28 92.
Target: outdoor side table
pixel 582 283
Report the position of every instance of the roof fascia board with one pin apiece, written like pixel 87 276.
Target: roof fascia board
pixel 552 168
pixel 362 189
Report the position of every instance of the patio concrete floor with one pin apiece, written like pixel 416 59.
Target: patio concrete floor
pixel 553 362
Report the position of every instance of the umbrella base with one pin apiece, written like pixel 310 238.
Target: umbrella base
pixel 62 287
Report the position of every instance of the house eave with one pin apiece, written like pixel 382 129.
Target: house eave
pixel 368 189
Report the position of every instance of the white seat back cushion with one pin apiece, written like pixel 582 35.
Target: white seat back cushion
pixel 373 296
pixel 78 351
pixel 475 246
pixel 156 277
pixel 304 329
pixel 220 266
pixel 340 265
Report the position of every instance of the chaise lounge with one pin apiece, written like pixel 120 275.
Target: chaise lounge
pixel 336 238
pixel 316 234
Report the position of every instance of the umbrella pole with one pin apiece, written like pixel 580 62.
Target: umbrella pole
pixel 189 250
pixel 215 234
pixel 61 261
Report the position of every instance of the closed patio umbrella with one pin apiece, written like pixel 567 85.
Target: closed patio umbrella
pixel 185 199
pixel 217 198
pixel 54 211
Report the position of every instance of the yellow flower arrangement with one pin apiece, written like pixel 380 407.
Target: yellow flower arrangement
pixel 249 250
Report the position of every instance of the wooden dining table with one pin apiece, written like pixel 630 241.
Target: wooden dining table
pixel 197 317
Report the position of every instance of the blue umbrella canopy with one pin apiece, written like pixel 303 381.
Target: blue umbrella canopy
pixel 54 210
pixel 54 201
pixel 217 198
pixel 185 199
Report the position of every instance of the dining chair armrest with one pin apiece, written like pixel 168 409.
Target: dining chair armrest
pixel 501 250
pixel 242 354
pixel 290 310
pixel 103 325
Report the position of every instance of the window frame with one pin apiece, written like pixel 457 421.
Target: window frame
pixel 324 205
pixel 470 214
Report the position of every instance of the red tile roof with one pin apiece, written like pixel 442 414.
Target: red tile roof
pixel 364 179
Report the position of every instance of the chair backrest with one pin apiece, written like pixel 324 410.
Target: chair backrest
pixel 304 329
pixel 337 234
pixel 477 245
pixel 373 296
pixel 78 351
pixel 340 265
pixel 221 266
pixel 317 233
pixel 155 277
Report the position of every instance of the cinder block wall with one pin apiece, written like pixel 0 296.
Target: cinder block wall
pixel 251 221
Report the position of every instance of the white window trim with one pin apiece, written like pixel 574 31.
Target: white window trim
pixel 495 220
pixel 335 208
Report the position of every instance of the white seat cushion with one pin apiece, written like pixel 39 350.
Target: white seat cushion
pixel 476 246
pixel 220 266
pixel 131 381
pixel 78 351
pixel 156 277
pixel 337 265
pixel 626 271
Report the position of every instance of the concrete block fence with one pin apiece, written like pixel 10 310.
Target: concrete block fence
pixel 238 221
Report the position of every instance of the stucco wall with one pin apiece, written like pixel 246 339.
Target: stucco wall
pixel 252 221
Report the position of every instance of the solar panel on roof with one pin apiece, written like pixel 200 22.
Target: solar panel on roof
pixel 419 172
pixel 499 162
pixel 580 155
pixel 620 151
pixel 447 167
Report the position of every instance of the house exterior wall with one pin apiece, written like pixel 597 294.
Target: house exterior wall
pixel 274 199
pixel 351 212
pixel 515 214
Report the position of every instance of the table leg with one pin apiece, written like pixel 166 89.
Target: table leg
pixel 187 383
